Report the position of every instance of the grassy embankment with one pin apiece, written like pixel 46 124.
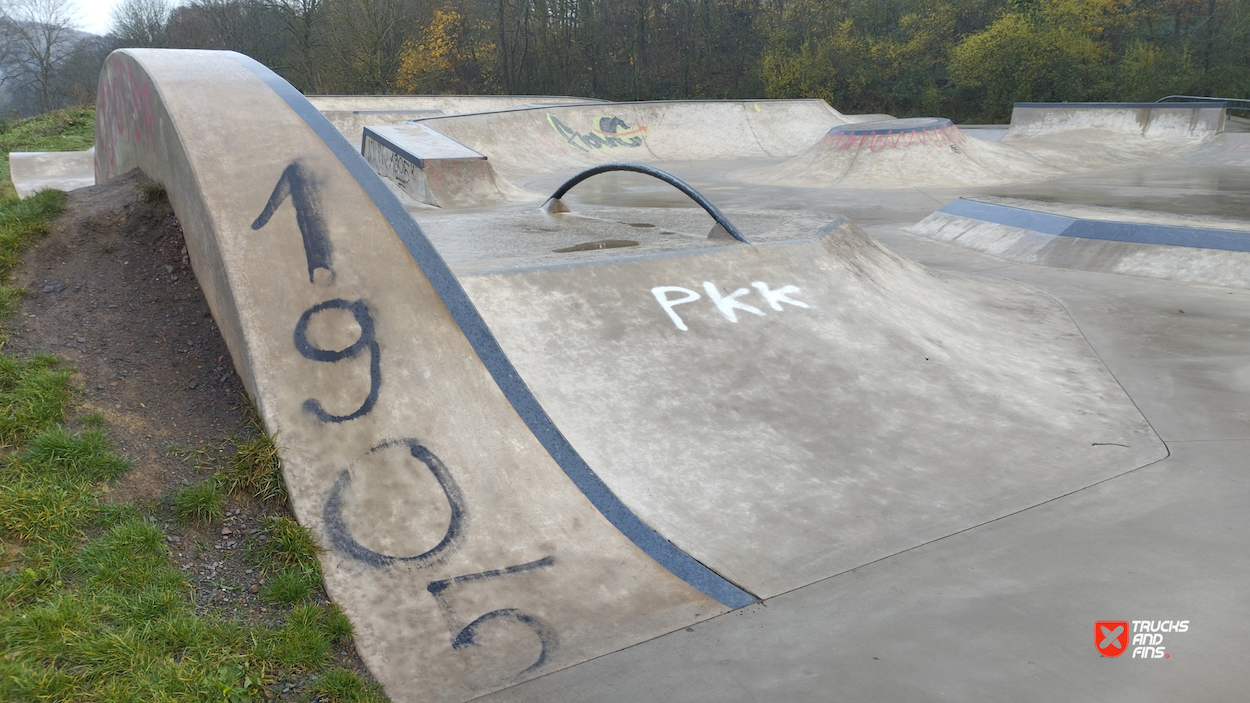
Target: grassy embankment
pixel 90 606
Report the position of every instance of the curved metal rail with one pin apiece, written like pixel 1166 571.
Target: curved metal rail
pixel 665 176
pixel 1199 98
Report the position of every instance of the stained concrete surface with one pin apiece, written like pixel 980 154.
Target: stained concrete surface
pixel 970 597
pixel 876 408
pixel 1005 610
pixel 448 524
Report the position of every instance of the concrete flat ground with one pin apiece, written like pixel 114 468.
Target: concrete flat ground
pixel 1005 611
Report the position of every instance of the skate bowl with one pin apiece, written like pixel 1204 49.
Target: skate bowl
pixel 521 144
pixel 530 141
pixel 527 440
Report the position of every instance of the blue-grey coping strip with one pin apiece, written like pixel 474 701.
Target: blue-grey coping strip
pixel 1121 106
pixel 396 112
pixel 914 125
pixel 1043 222
pixel 1135 232
pixel 478 333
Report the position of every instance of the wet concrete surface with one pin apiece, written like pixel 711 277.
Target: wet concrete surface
pixel 1005 610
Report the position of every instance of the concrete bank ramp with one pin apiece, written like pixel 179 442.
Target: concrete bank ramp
pixel 622 427
pixel 1175 120
pixel 1191 248
pixel 793 409
pixel 350 114
pixel 518 145
pixel 1045 140
pixel 1083 137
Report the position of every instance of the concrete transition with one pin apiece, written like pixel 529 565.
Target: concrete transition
pixel 1192 248
pixel 1044 141
pixel 32 172
pixel 528 142
pixel 529 440
pixel 351 113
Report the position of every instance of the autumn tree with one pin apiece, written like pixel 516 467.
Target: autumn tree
pixel 451 55
pixel 1051 50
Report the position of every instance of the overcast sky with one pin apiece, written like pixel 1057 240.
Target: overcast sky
pixel 93 15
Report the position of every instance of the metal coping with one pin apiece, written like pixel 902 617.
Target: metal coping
pixel 1123 106
pixel 456 95
pixel 1132 232
pixel 909 125
pixel 608 103
pixel 369 133
pixel 476 331
pixel 392 112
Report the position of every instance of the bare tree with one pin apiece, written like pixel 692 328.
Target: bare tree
pixel 40 35
pixel 250 27
pixel 305 30
pixel 366 42
pixel 141 23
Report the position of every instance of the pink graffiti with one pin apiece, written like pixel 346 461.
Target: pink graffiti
pixel 125 115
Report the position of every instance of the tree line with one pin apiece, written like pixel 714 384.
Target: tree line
pixel 964 59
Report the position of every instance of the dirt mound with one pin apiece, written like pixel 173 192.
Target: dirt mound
pixel 111 290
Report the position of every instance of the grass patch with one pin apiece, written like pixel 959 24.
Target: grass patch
pixel 289 546
pixel 33 394
pixel 198 503
pixel 90 606
pixel 344 686
pixel 70 129
pixel 289 587
pixel 152 191
pixel 93 420
pixel 255 468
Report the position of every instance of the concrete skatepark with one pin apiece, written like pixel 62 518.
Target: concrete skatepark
pixel 959 395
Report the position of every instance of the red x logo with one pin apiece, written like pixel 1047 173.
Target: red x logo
pixel 1111 637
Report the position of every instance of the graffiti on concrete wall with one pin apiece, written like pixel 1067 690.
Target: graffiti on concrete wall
pixel 297 184
pixel 340 534
pixel 125 112
pixel 726 305
pixel 605 132
pixel 456 598
pixel 367 340
pixel 465 635
pixel 1237 156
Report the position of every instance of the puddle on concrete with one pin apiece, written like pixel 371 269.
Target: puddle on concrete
pixel 601 244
